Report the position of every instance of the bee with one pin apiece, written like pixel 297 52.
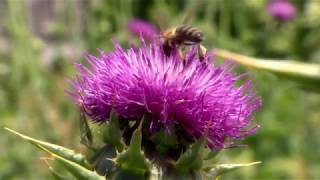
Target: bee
pixel 184 35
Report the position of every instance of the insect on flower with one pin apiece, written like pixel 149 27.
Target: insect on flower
pixel 183 35
pixel 193 99
pixel 187 100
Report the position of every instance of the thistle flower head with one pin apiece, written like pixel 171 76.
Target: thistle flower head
pixel 199 98
pixel 142 28
pixel 281 10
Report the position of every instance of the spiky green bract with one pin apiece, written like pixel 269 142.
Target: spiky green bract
pixel 76 164
pixel 55 149
pixel 76 170
pixel 132 162
pixel 85 131
pixel 220 169
pixel 112 133
pixel 197 162
pixel 210 154
pixel 192 159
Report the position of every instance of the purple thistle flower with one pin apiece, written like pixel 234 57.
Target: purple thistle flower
pixel 142 28
pixel 200 98
pixel 281 10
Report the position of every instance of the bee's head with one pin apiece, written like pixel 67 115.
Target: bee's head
pixel 169 33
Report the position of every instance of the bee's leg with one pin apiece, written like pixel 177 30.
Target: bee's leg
pixel 168 47
pixel 202 51
pixel 182 57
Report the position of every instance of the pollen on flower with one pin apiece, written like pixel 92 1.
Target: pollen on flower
pixel 198 97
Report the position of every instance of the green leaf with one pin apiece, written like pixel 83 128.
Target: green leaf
pixel 219 169
pixel 55 174
pixel 210 154
pixel 85 131
pixel 209 159
pixel 133 160
pixel 192 159
pixel 136 139
pixel 76 170
pixel 54 149
pixel 306 75
pixel 112 133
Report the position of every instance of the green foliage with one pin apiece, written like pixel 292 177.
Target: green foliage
pixel 112 134
pixel 76 170
pixel 32 97
pixel 76 164
pixel 85 131
pixel 220 169
pixel 192 159
pixel 306 75
pixel 132 161
pixel 56 150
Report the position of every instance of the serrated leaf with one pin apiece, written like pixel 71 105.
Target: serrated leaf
pixel 220 169
pixel 306 75
pixel 133 160
pixel 76 170
pixel 112 133
pixel 55 149
pixel 192 159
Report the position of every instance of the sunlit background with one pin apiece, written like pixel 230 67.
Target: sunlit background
pixel 41 39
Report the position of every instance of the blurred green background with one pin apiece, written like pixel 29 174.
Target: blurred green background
pixel 41 39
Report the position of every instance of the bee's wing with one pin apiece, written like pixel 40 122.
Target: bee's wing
pixel 162 20
pixel 187 18
pixel 192 9
pixel 189 43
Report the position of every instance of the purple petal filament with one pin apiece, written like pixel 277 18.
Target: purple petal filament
pixel 199 97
